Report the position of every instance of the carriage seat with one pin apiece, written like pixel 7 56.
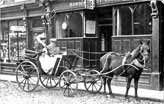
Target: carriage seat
pixel 30 54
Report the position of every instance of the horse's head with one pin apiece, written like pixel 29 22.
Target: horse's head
pixel 142 52
pixel 145 50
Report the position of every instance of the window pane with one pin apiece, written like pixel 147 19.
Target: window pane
pixel 37 22
pixel 75 25
pixel 125 21
pixel 20 23
pixel 58 26
pixel 142 19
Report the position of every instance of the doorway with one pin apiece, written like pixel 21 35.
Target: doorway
pixel 104 23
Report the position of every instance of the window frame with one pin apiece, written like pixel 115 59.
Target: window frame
pixel 69 14
pixel 116 21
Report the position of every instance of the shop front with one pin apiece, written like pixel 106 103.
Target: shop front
pixel 110 25
pixel 19 22
pixel 75 28
pixel 90 28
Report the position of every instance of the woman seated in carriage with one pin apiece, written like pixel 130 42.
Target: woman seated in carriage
pixel 50 53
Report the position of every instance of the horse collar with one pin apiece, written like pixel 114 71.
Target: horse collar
pixel 138 63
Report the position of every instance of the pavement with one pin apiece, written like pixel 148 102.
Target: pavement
pixel 142 93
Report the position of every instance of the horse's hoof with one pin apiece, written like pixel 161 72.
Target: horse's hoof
pixel 137 99
pixel 107 96
pixel 104 93
pixel 112 96
pixel 127 98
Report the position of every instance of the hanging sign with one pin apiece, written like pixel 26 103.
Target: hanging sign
pixel 18 28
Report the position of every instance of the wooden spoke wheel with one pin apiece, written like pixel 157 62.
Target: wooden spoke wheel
pixel 68 82
pixel 27 76
pixel 49 81
pixel 52 80
pixel 93 82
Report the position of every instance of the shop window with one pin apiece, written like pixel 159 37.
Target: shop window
pixel 142 19
pixel 17 41
pixel 60 33
pixel 4 41
pixel 75 25
pixel 14 42
pixel 125 20
pixel 68 25
pixel 133 20
pixel 36 22
pixel 20 23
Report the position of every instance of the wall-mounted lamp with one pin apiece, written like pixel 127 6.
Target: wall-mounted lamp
pixel 154 8
pixel 65 23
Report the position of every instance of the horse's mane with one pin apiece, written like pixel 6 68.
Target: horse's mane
pixel 135 52
pixel 130 56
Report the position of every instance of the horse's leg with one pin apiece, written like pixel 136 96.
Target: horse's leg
pixel 136 79
pixel 109 86
pixel 104 79
pixel 129 79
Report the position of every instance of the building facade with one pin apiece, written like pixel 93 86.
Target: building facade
pixel 90 28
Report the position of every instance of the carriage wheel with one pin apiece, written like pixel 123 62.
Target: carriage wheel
pixel 27 76
pixel 68 82
pixel 93 82
pixel 51 81
pixel 48 81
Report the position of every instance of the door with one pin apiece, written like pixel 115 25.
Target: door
pixel 104 20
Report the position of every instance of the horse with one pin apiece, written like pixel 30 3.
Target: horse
pixel 114 64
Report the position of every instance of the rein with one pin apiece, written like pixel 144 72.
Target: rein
pixel 75 52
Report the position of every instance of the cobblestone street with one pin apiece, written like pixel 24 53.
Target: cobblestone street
pixel 11 94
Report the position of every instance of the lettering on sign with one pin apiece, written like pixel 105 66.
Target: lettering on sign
pixel 76 4
pixel 110 1
pixel 89 4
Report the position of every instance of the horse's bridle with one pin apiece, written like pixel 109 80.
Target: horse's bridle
pixel 140 60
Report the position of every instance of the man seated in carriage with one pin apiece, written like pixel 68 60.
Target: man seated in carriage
pixel 50 54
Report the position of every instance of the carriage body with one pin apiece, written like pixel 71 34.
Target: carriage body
pixel 29 71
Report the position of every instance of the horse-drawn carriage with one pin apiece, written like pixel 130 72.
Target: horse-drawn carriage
pixel 67 76
pixel 64 73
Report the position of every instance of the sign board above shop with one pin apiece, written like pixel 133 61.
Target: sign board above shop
pixel 87 4
pixel 100 2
